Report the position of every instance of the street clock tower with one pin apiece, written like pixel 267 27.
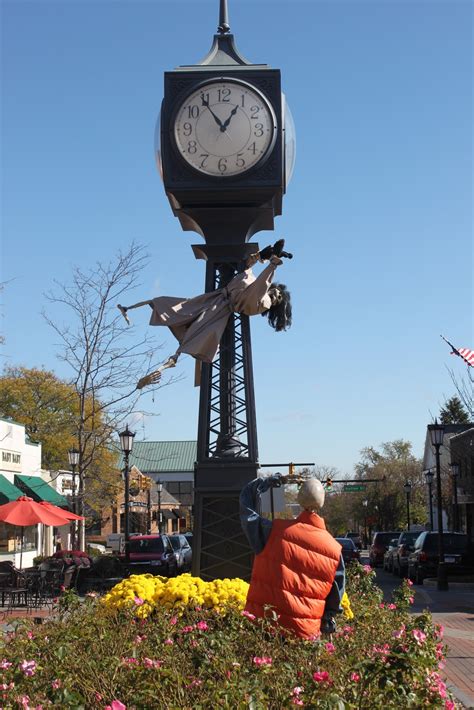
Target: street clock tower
pixel 225 148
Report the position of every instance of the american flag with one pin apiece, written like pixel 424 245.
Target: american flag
pixel 466 354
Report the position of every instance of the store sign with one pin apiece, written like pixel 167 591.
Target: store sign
pixel 10 460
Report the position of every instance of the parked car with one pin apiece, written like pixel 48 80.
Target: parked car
pixel 182 551
pixel 153 554
pixel 389 552
pixel 406 543
pixel 356 538
pixel 349 549
pixel 189 537
pixel 378 548
pixel 423 561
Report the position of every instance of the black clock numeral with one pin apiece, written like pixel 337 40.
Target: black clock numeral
pixel 192 147
pixel 223 95
pixel 187 129
pixel 254 112
pixel 205 99
pixel 252 148
pixel 258 130
pixel 193 111
pixel 222 165
pixel 243 100
pixel 204 157
pixel 239 161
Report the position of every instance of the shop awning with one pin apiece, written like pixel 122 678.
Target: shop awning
pixel 8 491
pixel 39 490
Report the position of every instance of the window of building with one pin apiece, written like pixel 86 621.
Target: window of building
pixel 10 538
pixel 179 487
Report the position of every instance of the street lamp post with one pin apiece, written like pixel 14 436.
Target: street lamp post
pixel 407 489
pixel 126 443
pixel 159 488
pixel 455 473
pixel 73 457
pixel 437 434
pixel 365 503
pixel 429 480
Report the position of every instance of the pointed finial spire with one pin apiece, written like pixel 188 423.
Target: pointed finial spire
pixel 224 26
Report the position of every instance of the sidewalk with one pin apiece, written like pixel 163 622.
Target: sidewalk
pixel 455 611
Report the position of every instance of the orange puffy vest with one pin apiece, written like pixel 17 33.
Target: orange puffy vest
pixel 294 573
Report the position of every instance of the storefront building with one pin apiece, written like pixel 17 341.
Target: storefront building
pixel 21 475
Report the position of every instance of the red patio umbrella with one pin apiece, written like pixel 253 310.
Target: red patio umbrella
pixel 25 511
pixel 66 514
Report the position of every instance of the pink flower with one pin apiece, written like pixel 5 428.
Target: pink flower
pixel 129 661
pixel 419 636
pixel 348 629
pixel 355 677
pixel 248 615
pixel 262 660
pixel 116 705
pixel 5 664
pixel 55 684
pixel 382 606
pixel 298 690
pixel 25 701
pixel 401 632
pixel 392 606
pixel 296 700
pixel 330 647
pixel 138 601
pixel 409 582
pixel 411 599
pixel 228 674
pixel 187 629
pixel 29 635
pixel 194 683
pixel 91 595
pixel 169 642
pixel 321 677
pixel 449 705
pixel 138 639
pixel 28 667
pixel 98 696
pixel 173 620
pixel 202 626
pixel 439 631
pixel 367 569
pixel 150 663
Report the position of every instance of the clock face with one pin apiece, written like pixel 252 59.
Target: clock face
pixel 224 128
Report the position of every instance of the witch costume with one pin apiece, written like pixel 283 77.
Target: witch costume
pixel 198 323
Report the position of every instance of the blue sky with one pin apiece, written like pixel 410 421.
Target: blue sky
pixel 378 213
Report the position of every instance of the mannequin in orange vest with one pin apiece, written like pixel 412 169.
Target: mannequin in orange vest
pixel 298 570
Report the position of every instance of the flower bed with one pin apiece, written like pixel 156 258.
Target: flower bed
pixel 182 643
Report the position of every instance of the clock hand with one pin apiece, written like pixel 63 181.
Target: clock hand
pixel 226 123
pixel 216 118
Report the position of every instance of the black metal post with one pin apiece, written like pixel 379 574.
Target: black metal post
pixel 456 509
pixel 127 508
pixel 408 510
pixel 148 503
pixel 430 494
pixel 74 507
pixel 442 572
pixel 159 510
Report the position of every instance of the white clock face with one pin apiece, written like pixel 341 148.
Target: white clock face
pixel 224 128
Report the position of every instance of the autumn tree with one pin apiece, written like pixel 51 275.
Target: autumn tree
pixel 394 464
pixel 49 409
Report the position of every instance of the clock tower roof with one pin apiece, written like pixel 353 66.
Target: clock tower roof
pixel 223 52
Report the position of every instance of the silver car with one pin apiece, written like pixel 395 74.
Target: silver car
pixel 182 552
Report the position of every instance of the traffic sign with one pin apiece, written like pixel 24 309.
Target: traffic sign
pixel 352 487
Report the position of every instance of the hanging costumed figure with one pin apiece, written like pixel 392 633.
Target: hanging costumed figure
pixel 198 323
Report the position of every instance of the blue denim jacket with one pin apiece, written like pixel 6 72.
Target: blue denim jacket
pixel 257 530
